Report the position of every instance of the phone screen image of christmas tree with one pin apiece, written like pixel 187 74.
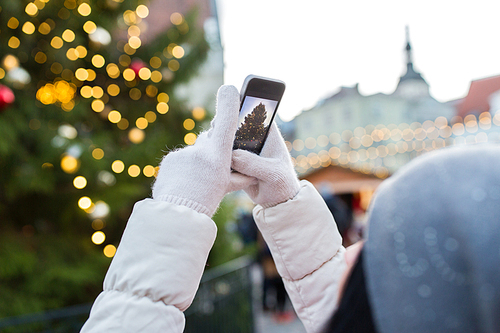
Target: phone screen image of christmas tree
pixel 254 121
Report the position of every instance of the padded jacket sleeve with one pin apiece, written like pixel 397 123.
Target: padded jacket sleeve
pixel 307 249
pixel 156 271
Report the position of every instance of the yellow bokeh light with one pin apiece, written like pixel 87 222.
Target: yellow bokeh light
pixel 91 209
pixel 136 135
pixel 68 35
pixel 113 89
pixel 13 23
pixel 128 49
pixel 97 92
pixel 92 75
pixel 178 52
pixel 162 107
pixel 40 57
pixel 84 203
pixel 150 116
pixel 188 124
pixel 113 71
pixel 142 11
pixel 149 171
pixel 134 42
pixel 61 91
pixel 123 124
pixel 31 9
pixel 68 106
pixel 86 91
pixel 190 138
pixel 98 61
pixel 82 51
pixel 129 74
pixel 135 94
pixel 98 153
pixel 80 182
pixel 199 113
pixel 14 42
pixel 156 76
pixel 40 4
pixel 183 28
pixel 144 73
pixel 84 9
pixel 98 237
pixel 141 123
pixel 298 145
pixel 97 105
pixel 69 164
pixel 81 74
pixel 70 4
pixel 134 170
pixel 163 97
pixel 47 165
pixel 98 224
pixel 28 28
pixel 176 18
pixel 134 31
pixel 56 42
pixel 114 116
pixel 124 60
pixel 109 251
pixel 173 65
pixel 129 17
pixel 44 28
pixel 151 90
pixel 2 73
pixel 155 62
pixel 72 54
pixel 89 27
pixel 56 68
pixel 117 166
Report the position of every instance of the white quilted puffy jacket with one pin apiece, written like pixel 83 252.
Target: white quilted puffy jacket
pixel 157 268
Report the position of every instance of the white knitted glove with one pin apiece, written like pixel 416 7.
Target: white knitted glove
pixel 277 181
pixel 199 176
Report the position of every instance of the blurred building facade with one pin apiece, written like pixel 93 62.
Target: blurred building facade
pixel 348 108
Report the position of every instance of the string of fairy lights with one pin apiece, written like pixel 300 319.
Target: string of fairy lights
pixel 380 150
pixel 71 85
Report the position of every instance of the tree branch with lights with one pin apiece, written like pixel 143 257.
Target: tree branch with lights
pixel 86 110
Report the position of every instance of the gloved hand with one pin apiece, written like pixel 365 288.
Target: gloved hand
pixel 199 176
pixel 277 181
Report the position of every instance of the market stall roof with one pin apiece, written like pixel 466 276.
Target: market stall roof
pixel 341 180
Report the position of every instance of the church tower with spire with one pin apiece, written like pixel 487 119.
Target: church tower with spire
pixel 411 85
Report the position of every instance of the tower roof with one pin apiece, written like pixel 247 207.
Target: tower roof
pixel 411 73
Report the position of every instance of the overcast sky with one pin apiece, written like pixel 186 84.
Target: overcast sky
pixel 317 46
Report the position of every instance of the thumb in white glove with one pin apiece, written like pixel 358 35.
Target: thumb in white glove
pixel 199 176
pixel 277 181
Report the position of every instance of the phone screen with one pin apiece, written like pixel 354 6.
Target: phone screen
pixel 255 118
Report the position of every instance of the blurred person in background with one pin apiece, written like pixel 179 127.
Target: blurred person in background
pixel 430 262
pixel 274 296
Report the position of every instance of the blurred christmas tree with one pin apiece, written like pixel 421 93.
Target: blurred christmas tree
pixel 252 131
pixel 86 111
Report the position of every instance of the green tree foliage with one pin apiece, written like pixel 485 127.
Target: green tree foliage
pixel 87 94
pixel 252 131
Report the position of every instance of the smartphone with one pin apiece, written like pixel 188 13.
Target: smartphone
pixel 260 98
